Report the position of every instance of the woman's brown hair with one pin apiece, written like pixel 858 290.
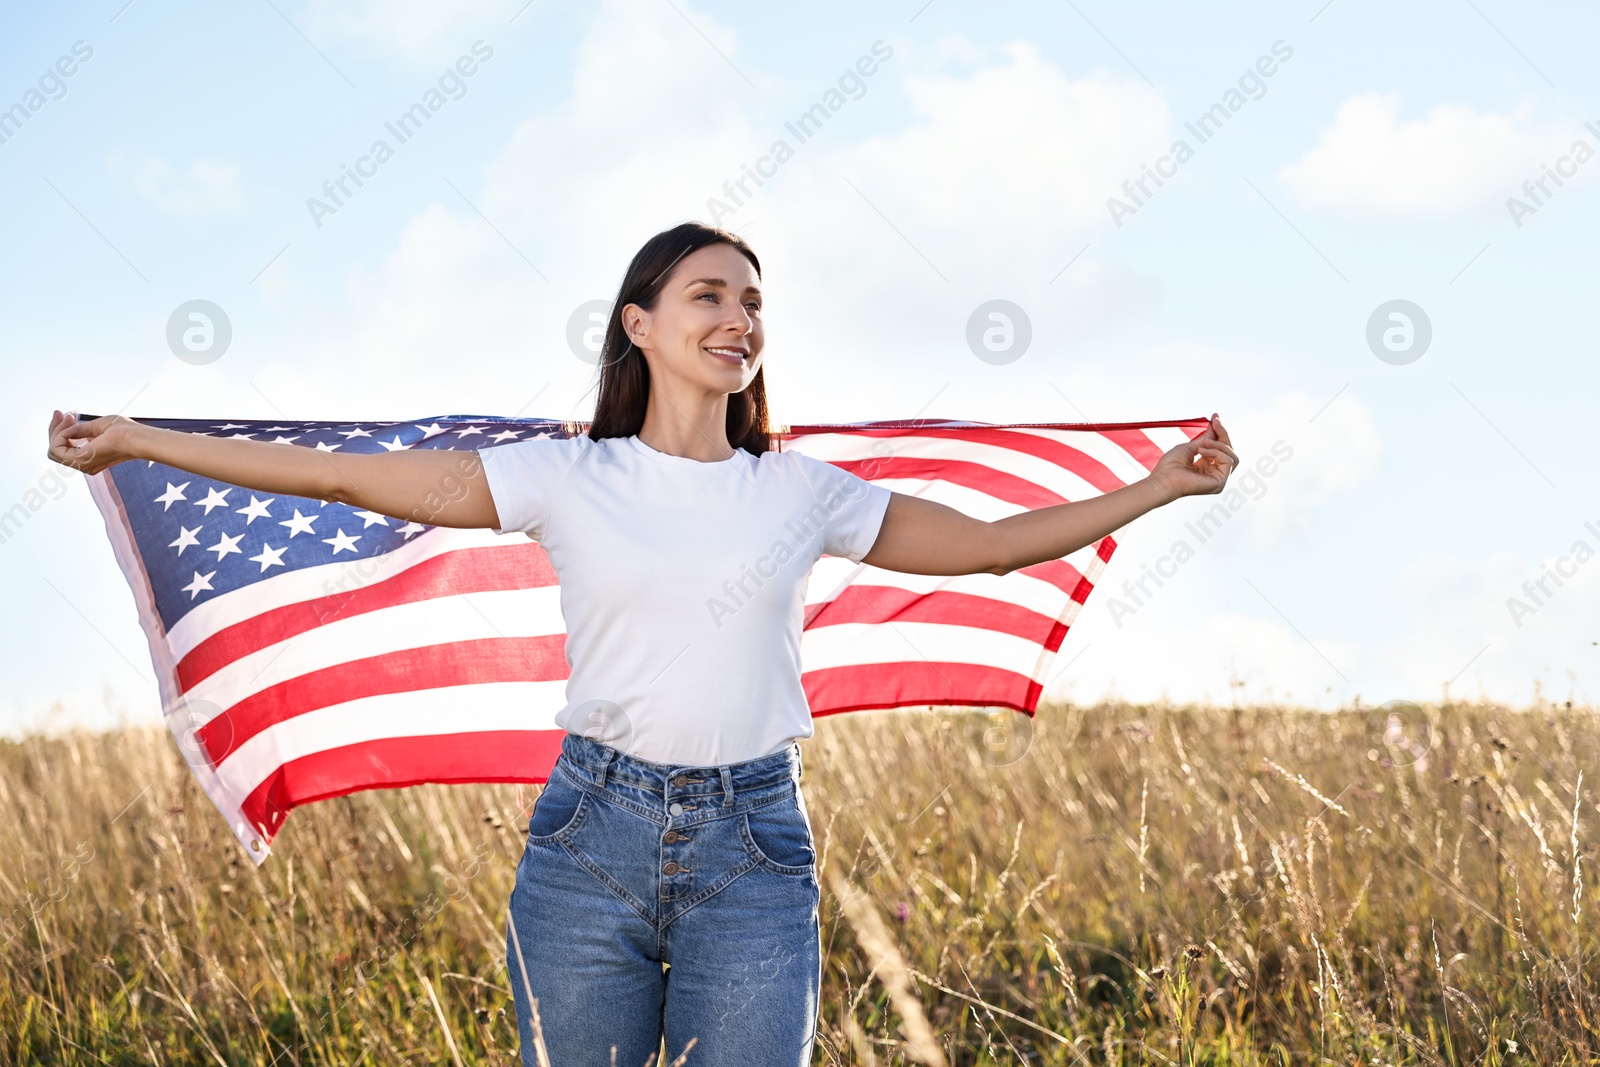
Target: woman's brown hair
pixel 619 410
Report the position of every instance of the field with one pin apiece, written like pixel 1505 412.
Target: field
pixel 1106 885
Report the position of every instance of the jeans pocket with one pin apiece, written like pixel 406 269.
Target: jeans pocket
pixel 778 836
pixel 558 811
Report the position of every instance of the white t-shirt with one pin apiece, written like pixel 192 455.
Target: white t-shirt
pixel 682 585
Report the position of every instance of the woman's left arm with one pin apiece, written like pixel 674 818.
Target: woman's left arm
pixel 925 537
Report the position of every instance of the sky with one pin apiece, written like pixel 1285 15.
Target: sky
pixel 1361 233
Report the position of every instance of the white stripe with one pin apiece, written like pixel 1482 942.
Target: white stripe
pixel 498 613
pixel 325 579
pixel 418 713
pixel 1167 438
pixel 970 501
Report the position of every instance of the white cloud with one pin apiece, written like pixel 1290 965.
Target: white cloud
pixel 1372 163
pixel 1159 654
pixel 406 27
pixel 1000 175
pixel 451 322
pixel 1323 449
pixel 204 187
pixel 1335 454
pixel 1460 622
pixel 1443 624
pixel 1014 145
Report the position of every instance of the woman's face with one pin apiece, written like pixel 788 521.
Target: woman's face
pixel 706 327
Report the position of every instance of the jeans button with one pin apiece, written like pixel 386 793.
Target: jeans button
pixel 680 781
pixel 676 808
pixel 670 868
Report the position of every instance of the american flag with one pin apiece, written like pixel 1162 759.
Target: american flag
pixel 308 649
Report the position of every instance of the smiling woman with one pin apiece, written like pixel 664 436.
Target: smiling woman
pixel 672 829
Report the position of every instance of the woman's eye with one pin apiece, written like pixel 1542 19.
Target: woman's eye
pixel 753 304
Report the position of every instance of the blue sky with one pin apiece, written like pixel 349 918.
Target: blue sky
pixel 1373 163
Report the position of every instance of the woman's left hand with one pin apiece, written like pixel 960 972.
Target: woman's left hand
pixel 1197 467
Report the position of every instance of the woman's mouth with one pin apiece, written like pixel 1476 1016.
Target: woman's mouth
pixel 732 355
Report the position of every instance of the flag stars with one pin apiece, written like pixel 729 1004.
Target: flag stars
pixel 227 544
pixel 323 446
pixel 233 426
pixel 505 435
pixel 411 529
pixel 201 583
pixel 370 517
pixel 469 430
pixel 186 537
pixel 214 499
pixel 256 509
pixel 277 429
pixel 392 446
pixel 431 430
pixel 342 541
pixel 270 557
pixel 173 494
pixel 282 440
pixel 241 437
pixel 299 524
pixel 357 432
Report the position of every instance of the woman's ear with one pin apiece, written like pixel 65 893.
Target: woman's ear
pixel 633 323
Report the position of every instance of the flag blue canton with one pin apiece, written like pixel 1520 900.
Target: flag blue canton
pixel 199 538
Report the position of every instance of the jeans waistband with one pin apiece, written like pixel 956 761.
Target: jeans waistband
pixel 603 764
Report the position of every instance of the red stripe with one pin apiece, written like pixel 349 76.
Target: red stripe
pixel 490 659
pixel 969 475
pixel 858 687
pixel 883 604
pixel 1137 444
pixel 466 570
pixel 394 762
pixel 1057 453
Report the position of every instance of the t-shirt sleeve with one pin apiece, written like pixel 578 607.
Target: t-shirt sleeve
pixel 853 507
pixel 524 477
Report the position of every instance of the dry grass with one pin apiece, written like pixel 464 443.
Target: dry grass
pixel 1143 886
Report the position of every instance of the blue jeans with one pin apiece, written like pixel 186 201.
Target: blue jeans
pixel 630 865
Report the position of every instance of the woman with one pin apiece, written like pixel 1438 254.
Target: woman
pixel 668 884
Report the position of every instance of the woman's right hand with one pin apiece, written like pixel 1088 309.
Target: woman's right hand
pixel 90 446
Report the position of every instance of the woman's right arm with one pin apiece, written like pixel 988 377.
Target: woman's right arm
pixel 436 487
